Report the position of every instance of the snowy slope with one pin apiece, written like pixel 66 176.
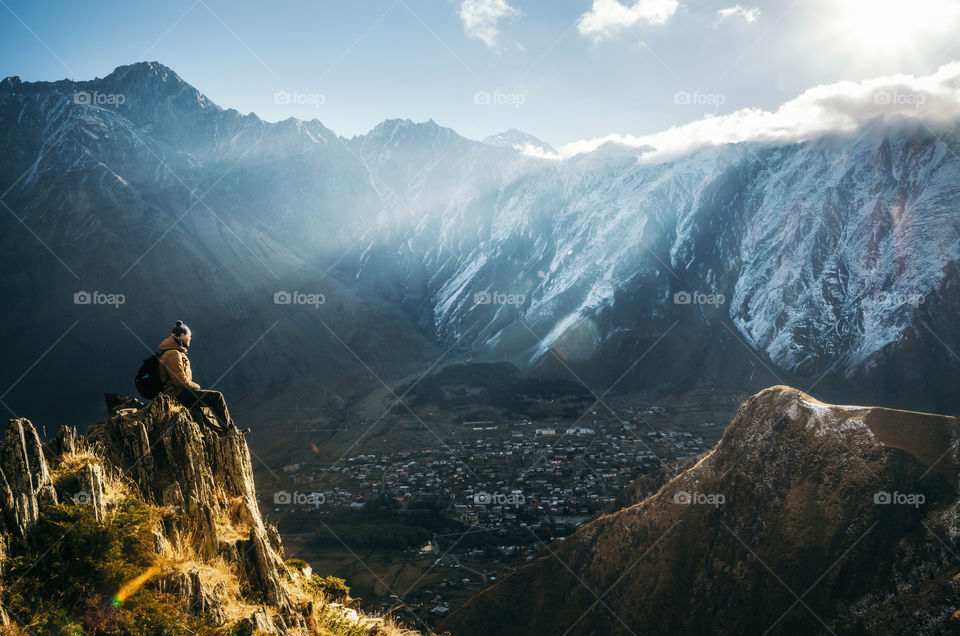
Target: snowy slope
pixel 830 254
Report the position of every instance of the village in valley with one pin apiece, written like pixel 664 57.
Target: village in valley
pixel 427 525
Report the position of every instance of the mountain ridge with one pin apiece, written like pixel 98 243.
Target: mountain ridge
pixel 798 497
pixel 835 258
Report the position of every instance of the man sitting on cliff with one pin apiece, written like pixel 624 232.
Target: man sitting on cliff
pixel 177 379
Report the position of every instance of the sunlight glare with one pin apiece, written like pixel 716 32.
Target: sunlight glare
pixel 889 26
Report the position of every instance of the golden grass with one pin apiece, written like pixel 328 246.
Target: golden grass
pixel 116 485
pixel 232 522
pixel 71 462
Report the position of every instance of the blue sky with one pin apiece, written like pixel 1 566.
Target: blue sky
pixel 560 69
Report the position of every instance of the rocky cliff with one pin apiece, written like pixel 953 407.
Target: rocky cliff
pixel 806 518
pixel 148 524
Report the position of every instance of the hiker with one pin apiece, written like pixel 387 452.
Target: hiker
pixel 177 379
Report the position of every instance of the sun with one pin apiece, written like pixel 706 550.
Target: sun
pixel 891 26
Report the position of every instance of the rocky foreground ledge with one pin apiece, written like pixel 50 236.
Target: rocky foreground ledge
pixel 148 524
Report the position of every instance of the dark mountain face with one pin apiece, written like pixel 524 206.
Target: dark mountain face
pixel 830 263
pixel 188 212
pixel 806 518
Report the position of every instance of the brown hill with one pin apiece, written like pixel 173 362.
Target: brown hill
pixel 784 528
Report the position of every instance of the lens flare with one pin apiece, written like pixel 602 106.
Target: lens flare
pixel 578 342
pixel 131 586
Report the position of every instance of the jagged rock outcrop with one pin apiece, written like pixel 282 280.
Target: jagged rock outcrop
pixel 24 477
pixel 65 441
pixel 171 505
pixel 257 623
pixel 89 488
pixel 176 462
pixel 806 518
pixel 195 592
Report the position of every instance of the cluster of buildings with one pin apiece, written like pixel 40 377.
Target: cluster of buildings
pixel 552 471
pixel 520 482
pixel 493 476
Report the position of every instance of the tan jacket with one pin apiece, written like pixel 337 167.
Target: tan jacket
pixel 175 373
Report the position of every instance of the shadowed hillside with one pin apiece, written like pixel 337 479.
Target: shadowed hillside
pixel 806 518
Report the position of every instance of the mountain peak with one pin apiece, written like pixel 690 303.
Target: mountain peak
pixel 144 70
pixel 401 126
pixel 779 411
pixel 426 136
pixel 145 86
pixel 518 140
pixel 10 83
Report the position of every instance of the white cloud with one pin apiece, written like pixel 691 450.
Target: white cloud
pixel 533 150
pixel 607 17
pixel 750 14
pixel 840 107
pixel 481 19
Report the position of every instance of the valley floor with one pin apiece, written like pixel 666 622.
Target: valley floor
pixel 426 507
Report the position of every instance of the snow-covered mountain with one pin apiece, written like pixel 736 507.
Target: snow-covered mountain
pixel 835 257
pixel 519 140
pixel 830 262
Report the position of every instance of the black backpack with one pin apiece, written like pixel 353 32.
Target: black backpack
pixel 148 377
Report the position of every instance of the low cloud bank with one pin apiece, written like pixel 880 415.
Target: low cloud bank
pixel 841 107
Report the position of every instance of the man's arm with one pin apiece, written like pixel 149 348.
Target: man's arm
pixel 178 369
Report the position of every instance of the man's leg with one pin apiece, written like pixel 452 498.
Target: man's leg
pixel 214 401
pixel 196 399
